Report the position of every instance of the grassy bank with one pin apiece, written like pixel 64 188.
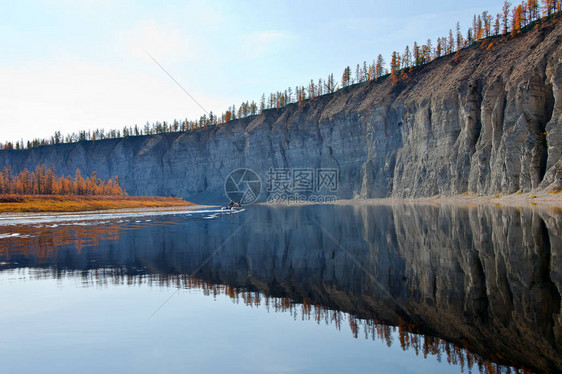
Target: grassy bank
pixel 73 203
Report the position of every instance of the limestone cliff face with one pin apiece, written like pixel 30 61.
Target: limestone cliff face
pixel 487 120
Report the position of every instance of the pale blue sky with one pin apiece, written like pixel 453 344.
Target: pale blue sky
pixel 71 65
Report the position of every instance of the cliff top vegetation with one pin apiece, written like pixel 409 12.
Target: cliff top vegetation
pixel 485 29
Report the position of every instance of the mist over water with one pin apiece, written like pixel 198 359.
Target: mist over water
pixel 404 287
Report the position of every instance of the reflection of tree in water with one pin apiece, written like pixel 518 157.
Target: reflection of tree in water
pixel 41 243
pixel 409 335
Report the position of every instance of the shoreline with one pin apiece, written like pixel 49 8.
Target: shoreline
pixel 16 203
pixel 516 201
pixel 541 200
pixel 177 208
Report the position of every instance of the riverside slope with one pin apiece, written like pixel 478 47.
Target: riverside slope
pixel 485 121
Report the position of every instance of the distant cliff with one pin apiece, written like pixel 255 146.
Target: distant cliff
pixel 486 120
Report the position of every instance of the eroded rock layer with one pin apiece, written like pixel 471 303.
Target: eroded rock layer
pixel 486 120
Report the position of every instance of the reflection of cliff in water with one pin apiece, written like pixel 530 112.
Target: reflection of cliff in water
pixel 484 278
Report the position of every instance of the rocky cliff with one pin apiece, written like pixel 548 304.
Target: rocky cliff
pixel 486 120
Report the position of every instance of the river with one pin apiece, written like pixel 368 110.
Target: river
pixel 296 289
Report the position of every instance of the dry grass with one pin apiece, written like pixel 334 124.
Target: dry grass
pixel 72 203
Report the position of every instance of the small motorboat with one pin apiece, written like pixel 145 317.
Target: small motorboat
pixel 232 207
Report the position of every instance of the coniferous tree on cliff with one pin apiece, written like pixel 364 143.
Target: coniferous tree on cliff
pixel 505 16
pixel 346 77
pixel 379 67
pixel 395 67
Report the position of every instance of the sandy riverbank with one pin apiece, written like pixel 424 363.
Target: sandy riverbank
pixel 542 200
pixel 12 203
pixel 537 200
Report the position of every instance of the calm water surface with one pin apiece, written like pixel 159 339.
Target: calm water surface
pixel 313 289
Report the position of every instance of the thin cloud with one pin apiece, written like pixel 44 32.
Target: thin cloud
pixel 162 41
pixel 262 43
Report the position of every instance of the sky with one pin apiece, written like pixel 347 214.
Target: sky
pixel 71 65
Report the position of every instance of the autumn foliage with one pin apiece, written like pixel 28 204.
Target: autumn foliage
pixel 44 181
pixel 43 191
pixel 82 203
